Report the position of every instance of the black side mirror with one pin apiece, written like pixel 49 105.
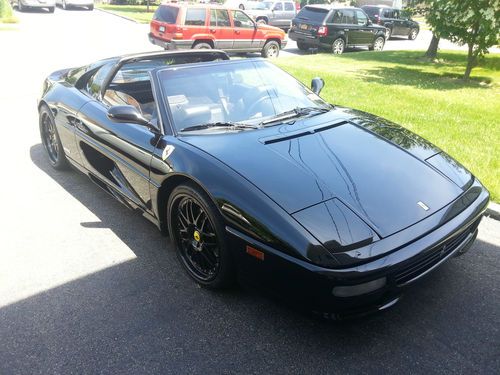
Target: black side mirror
pixel 369 22
pixel 127 113
pixel 317 85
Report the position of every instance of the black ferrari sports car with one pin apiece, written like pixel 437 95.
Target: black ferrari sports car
pixel 255 177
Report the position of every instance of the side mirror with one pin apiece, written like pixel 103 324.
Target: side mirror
pixel 317 85
pixel 369 22
pixel 127 113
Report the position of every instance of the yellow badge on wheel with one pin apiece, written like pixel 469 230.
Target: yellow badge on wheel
pixel 197 236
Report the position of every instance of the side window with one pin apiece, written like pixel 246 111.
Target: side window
pixel 195 17
pixel 336 17
pixel 94 84
pixel 348 17
pixel 387 13
pixel 361 17
pixel 242 20
pixel 219 17
pixel 396 14
pixel 278 6
pixel 289 7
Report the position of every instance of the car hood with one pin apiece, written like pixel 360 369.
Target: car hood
pixel 269 28
pixel 377 170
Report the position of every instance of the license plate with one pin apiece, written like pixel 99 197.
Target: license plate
pixel 303 27
pixel 161 29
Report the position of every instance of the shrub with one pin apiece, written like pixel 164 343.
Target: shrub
pixel 6 15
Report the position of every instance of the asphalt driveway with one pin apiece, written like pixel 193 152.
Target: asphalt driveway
pixel 87 286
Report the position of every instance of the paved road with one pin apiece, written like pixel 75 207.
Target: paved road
pixel 87 286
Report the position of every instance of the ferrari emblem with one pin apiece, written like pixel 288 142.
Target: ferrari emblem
pixel 167 151
pixel 196 236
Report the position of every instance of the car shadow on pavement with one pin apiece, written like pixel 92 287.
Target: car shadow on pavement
pixel 146 316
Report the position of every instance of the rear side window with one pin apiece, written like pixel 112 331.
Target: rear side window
pixel 166 14
pixel 219 17
pixel 278 6
pixel 361 18
pixel 195 17
pixel 388 13
pixel 289 6
pixel 313 14
pixel 372 12
pixel 348 17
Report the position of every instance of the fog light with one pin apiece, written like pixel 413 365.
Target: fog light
pixel 356 290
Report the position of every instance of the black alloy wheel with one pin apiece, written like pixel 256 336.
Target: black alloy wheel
pixel 197 233
pixel 51 141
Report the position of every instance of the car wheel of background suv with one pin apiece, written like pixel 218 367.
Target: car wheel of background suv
pixel 338 46
pixel 388 33
pixel 262 21
pixel 202 45
pixel 271 49
pixel 302 46
pixel 413 34
pixel 378 44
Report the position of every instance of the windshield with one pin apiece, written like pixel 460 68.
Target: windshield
pixel 267 4
pixel 239 91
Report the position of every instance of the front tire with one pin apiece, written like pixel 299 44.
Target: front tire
pixel 271 50
pixel 51 140
pixel 198 234
pixel 413 34
pixel 388 33
pixel 338 46
pixel 378 44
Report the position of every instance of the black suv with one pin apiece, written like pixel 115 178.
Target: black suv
pixel 391 19
pixel 335 28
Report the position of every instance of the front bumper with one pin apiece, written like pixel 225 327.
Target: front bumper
pixel 306 284
pixel 170 44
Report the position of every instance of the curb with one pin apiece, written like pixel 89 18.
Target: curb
pixel 117 15
pixel 493 211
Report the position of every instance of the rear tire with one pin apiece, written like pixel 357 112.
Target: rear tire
pixel 241 6
pixel 388 33
pixel 302 46
pixel 271 50
pixel 198 234
pixel 262 21
pixel 413 34
pixel 50 139
pixel 338 46
pixel 202 45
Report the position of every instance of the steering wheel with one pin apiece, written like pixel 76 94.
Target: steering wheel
pixel 253 109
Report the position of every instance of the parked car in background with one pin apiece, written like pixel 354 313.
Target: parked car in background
pixel 67 4
pixel 23 5
pixel 237 4
pixel 392 20
pixel 335 28
pixel 200 26
pixel 275 13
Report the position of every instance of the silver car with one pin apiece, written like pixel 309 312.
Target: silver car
pixel 22 5
pixel 66 4
pixel 274 13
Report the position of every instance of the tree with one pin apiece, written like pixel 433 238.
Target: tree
pixel 433 47
pixel 475 23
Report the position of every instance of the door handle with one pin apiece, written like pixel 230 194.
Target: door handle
pixel 212 30
pixel 236 31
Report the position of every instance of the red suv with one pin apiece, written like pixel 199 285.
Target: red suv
pixel 183 26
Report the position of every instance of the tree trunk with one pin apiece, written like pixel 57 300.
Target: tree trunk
pixel 433 47
pixel 471 61
pixel 147 6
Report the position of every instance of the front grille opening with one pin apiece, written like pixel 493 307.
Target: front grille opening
pixel 432 257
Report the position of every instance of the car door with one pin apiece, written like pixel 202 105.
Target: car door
pixel 195 23
pixel 364 32
pixel 278 14
pixel 117 155
pixel 245 32
pixel 403 24
pixel 351 29
pixel 220 28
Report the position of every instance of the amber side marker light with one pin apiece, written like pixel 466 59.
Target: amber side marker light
pixel 255 253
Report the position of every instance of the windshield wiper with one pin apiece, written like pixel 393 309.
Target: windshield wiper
pixel 221 124
pixel 296 112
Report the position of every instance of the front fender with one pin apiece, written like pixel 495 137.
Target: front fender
pixel 242 205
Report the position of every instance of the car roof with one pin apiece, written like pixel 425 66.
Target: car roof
pixel 328 6
pixel 194 5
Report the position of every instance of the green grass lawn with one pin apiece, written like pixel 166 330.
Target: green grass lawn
pixel 136 12
pixel 462 118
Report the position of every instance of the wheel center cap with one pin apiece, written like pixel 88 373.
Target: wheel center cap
pixel 197 236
